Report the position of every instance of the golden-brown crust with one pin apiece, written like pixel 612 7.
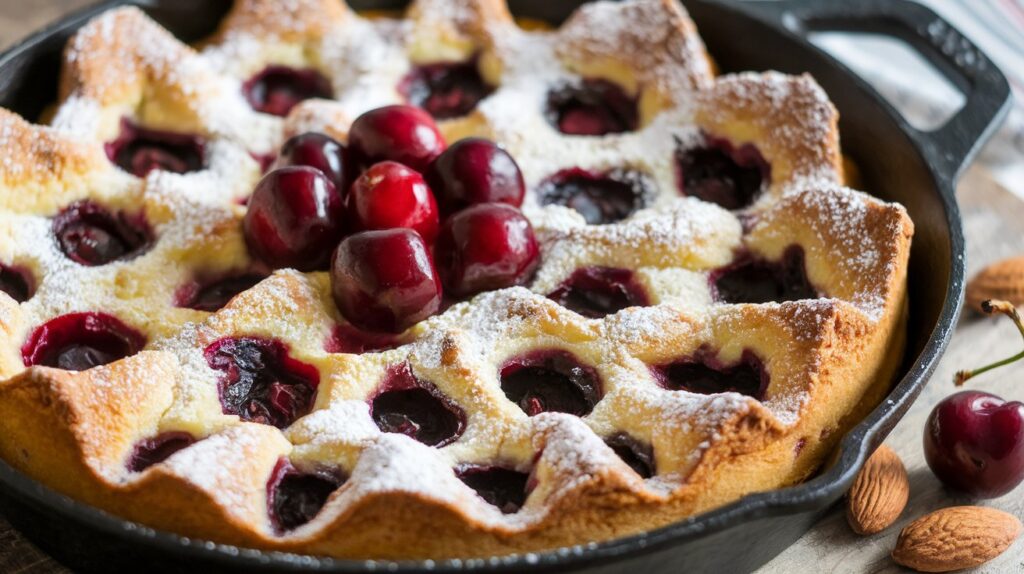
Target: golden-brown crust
pixel 829 360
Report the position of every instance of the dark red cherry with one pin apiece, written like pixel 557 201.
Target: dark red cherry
pixel 599 291
pixel 16 283
pixel 446 89
pixel 295 219
pixel 89 234
pixel 503 488
pixel 348 339
pixel 385 281
pixel 475 170
pixel 405 134
pixel 551 381
pixel 723 174
pixel 974 442
pixel 157 449
pixel 753 280
pixel 598 197
pixel 485 247
pixel 81 341
pixel 212 296
pixel 295 497
pixel 636 455
pixel 318 151
pixel 705 374
pixel 592 107
pixel 140 150
pixel 407 405
pixel 390 195
pixel 277 89
pixel 260 381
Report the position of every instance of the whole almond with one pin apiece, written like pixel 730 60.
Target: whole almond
pixel 954 538
pixel 1001 280
pixel 879 493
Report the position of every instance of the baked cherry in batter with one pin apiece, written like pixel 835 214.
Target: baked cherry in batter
pixel 599 197
pixel 140 150
pixel 503 488
pixel 81 341
pixel 551 381
pixel 592 107
pixel 407 405
pixel 157 449
pixel 705 374
pixel 731 177
pixel 277 89
pixel 91 235
pixel 261 382
pixel 295 497
pixel 446 89
pixel 599 291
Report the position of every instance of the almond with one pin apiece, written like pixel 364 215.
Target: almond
pixel 1001 280
pixel 954 538
pixel 879 493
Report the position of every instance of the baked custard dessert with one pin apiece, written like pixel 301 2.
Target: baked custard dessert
pixel 432 286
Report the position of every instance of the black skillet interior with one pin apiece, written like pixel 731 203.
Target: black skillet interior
pixel 898 163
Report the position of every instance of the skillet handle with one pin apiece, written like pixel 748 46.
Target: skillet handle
pixel 950 147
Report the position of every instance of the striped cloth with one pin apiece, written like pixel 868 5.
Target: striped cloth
pixel 995 26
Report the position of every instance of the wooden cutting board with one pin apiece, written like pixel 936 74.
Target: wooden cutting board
pixel 994 222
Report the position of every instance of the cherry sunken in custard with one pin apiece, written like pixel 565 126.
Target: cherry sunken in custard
pixel 347 338
pixel 16 283
pixel 446 89
pixel 260 381
pixel 599 291
pixel 157 449
pixel 705 374
pixel 637 455
pixel 592 107
pixel 277 89
pixel 295 497
pixel 718 172
pixel 503 488
pixel 139 150
pixel 81 341
pixel 91 235
pixel 550 381
pixel 212 296
pixel 599 197
pixel 754 280
pixel 406 405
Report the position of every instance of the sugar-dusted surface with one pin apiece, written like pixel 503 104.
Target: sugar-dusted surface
pixel 673 244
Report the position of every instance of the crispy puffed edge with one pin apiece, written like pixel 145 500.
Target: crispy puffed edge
pixel 44 169
pixel 306 20
pixel 664 65
pixel 788 118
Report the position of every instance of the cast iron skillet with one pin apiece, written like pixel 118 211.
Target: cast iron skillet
pixel 918 169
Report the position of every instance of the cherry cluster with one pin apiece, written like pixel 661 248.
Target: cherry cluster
pixel 400 219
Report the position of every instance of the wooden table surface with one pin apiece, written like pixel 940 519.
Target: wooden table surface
pixel 994 221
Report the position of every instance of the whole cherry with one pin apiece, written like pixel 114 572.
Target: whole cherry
pixel 974 441
pixel 385 281
pixel 318 151
pixel 405 134
pixel 475 170
pixel 390 195
pixel 295 219
pixel 488 246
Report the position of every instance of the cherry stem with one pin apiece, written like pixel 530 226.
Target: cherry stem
pixel 994 306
